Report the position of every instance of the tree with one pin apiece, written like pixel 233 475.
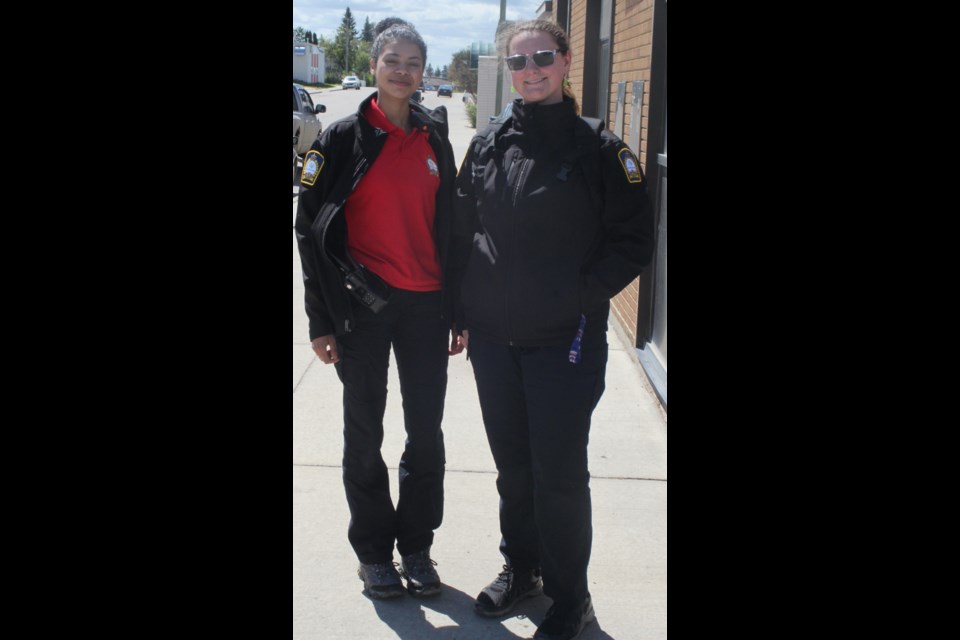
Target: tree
pixel 361 58
pixel 428 72
pixel 347 38
pixel 299 35
pixel 460 73
pixel 334 57
pixel 367 34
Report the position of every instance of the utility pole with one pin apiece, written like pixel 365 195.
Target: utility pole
pixel 499 102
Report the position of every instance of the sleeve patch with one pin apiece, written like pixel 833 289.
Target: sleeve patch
pixel 631 167
pixel 312 166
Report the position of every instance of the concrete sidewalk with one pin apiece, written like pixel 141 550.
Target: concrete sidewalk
pixel 628 466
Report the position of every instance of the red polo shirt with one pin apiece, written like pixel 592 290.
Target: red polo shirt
pixel 390 213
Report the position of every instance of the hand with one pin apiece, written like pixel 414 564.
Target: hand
pixel 456 343
pixel 465 338
pixel 326 349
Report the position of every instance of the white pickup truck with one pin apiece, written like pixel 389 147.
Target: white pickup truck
pixel 306 126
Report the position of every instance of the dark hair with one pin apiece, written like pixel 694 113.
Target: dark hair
pixel 551 28
pixel 392 29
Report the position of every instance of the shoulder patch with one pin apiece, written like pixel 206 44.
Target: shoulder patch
pixel 312 166
pixel 631 167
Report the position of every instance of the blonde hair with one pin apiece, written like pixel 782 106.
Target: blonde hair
pixel 551 28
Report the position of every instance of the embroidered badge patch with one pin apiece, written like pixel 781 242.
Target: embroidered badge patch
pixel 312 166
pixel 432 166
pixel 630 165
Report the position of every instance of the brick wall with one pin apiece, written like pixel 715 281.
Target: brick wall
pixel 631 51
pixel 632 47
pixel 578 18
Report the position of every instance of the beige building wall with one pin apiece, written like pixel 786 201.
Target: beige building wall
pixel 487 89
pixel 311 65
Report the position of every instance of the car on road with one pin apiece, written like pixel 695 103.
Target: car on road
pixel 351 82
pixel 445 90
pixel 306 125
pixel 294 159
pixel 417 96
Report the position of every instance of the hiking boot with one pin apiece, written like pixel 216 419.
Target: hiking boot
pixel 418 569
pixel 381 580
pixel 565 624
pixel 500 596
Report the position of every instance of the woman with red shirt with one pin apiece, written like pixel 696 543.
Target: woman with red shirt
pixel 375 204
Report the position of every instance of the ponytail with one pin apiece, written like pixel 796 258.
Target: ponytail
pixel 568 93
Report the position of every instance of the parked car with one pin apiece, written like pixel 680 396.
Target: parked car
pixel 351 82
pixel 417 96
pixel 306 126
pixel 445 90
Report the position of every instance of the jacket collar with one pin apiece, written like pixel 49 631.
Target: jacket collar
pixel 420 116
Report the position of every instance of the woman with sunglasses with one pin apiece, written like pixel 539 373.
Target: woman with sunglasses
pixel 549 229
pixel 375 206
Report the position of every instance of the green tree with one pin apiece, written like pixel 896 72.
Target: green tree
pixel 361 58
pixel 459 72
pixel 333 53
pixel 299 35
pixel 347 38
pixel 428 72
pixel 367 34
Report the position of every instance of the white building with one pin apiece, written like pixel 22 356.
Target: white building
pixel 487 89
pixel 309 63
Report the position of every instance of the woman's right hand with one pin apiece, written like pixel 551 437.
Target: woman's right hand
pixel 326 349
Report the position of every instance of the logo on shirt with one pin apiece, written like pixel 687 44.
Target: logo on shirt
pixel 312 166
pixel 630 165
pixel 432 166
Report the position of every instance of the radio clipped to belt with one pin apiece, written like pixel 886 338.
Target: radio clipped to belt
pixel 364 285
pixel 367 287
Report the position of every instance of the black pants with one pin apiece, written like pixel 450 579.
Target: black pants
pixel 536 409
pixel 411 323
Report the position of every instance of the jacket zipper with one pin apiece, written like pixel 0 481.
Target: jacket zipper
pixel 513 236
pixel 358 173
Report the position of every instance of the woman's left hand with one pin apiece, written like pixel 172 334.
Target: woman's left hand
pixel 457 343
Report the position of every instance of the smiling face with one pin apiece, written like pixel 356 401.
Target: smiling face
pixel 533 83
pixel 399 70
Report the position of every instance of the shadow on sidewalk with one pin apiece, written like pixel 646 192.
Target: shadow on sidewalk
pixel 410 622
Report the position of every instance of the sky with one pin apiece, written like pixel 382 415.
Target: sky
pixel 447 26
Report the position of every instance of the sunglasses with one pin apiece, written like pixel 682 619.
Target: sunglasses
pixel 540 58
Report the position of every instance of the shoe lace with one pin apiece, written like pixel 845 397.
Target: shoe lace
pixel 504 580
pixel 420 562
pixel 383 569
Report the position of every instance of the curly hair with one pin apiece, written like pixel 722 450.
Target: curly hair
pixel 393 29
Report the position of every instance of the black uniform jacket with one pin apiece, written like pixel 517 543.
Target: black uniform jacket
pixel 549 238
pixel 347 149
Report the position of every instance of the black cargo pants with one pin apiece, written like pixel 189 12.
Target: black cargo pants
pixel 412 325
pixel 536 409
